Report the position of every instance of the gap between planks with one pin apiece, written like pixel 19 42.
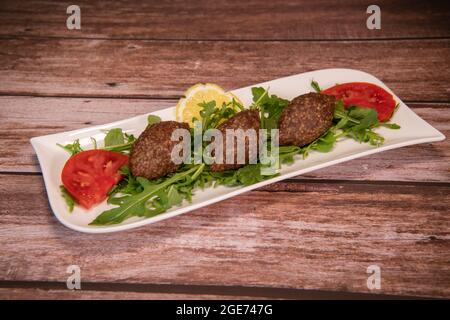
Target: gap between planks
pixel 240 19
pixel 21 37
pixel 174 98
pixel 224 292
pixel 276 239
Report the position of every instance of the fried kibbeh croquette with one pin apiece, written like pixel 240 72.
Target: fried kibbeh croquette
pixel 244 120
pixel 150 156
pixel 305 119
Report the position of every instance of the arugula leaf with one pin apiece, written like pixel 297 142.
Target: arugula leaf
pixel 270 107
pixel 118 141
pixel 152 200
pixel 207 112
pixel 326 142
pixel 287 153
pixel 340 113
pixel 67 197
pixel 249 174
pixel 368 118
pixel 114 137
pixel 259 94
pixel 212 115
pixel 72 148
pixel 390 125
pixel 174 197
pixel 152 119
pixel 315 86
pixel 127 186
pixel 358 123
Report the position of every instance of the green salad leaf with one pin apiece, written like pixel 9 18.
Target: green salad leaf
pixel 73 148
pixel 70 201
pixel 152 119
pixel 118 141
pixel 270 107
pixel 358 123
pixel 114 137
pixel 152 197
pixel 213 115
pixel 390 125
pixel 316 86
pixel 247 175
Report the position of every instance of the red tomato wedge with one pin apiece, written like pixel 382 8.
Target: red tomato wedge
pixel 90 175
pixel 363 94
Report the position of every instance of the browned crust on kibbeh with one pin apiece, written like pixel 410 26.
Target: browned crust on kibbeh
pixel 306 118
pixel 150 156
pixel 247 119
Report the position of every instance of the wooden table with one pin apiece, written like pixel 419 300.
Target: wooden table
pixel 311 236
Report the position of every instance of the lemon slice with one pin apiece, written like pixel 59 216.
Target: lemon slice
pixel 188 107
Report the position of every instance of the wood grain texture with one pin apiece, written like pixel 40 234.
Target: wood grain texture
pixel 64 294
pixel 286 235
pixel 27 117
pixel 57 290
pixel 316 232
pixel 227 20
pixel 414 69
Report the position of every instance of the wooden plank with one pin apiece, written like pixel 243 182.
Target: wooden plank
pixel 128 68
pixel 27 117
pixel 226 20
pixel 287 235
pixel 61 294
pixel 19 290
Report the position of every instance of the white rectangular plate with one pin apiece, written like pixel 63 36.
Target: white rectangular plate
pixel 413 130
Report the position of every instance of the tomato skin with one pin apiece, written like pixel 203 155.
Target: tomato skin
pixel 89 175
pixel 363 94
